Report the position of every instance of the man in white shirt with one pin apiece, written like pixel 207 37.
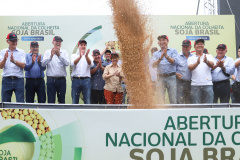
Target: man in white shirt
pixel 56 60
pixel 200 66
pixel 12 62
pixel 81 77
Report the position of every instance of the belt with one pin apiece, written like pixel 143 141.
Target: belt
pixel 167 75
pixel 11 77
pixel 184 80
pixel 227 80
pixel 81 77
pixel 56 78
pixel 34 78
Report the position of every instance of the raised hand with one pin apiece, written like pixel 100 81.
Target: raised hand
pixel 6 55
pixel 33 58
pixel 52 52
pixel 87 52
pixel 198 60
pixel 39 58
pixel 205 60
pixel 11 58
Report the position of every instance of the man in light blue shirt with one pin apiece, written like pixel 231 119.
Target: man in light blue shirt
pixel 165 61
pixel 12 61
pixel 34 74
pixel 184 74
pixel 221 73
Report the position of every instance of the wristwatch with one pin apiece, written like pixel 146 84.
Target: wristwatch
pixel 167 57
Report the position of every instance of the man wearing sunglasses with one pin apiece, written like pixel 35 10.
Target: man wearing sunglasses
pixel 12 61
pixel 165 61
pixel 34 73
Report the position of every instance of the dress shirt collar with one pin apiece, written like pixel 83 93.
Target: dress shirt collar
pixel 161 49
pixel 221 59
pixel 111 65
pixel 14 50
pixel 190 54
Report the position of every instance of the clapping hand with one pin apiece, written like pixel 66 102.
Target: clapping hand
pixel 6 55
pixel 33 58
pixel 39 58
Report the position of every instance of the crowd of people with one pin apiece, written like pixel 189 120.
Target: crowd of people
pixel 187 77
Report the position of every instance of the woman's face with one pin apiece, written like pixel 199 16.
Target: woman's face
pixel 114 58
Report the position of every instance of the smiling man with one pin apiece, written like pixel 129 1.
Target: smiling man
pixel 81 77
pixel 221 73
pixel 200 65
pixel 56 60
pixel 34 73
pixel 12 62
pixel 165 61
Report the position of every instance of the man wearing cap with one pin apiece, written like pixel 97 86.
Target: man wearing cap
pixel 56 60
pixel 81 77
pixel 34 74
pixel 200 66
pixel 97 82
pixel 12 61
pixel 165 61
pixel 221 73
pixel 184 74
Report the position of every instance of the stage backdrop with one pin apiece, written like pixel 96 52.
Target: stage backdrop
pixel 157 134
pixel 97 30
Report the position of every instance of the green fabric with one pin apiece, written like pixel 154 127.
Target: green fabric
pixel 78 154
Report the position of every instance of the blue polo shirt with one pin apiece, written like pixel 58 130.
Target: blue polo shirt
pixel 164 66
pixel 182 66
pixel 105 61
pixel 35 70
pixel 97 82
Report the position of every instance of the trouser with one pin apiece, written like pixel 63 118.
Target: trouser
pixel 202 94
pixel 183 92
pixel 221 90
pixel 54 86
pixel 81 85
pixel 9 86
pixel 236 91
pixel 97 97
pixel 169 84
pixel 35 85
pixel 113 97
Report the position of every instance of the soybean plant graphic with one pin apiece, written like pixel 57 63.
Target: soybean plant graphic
pixel 21 140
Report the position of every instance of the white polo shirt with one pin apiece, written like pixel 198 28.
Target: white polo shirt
pixel 82 69
pixel 56 66
pixel 11 69
pixel 201 75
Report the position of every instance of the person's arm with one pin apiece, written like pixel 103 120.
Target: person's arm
pixel 21 63
pixel 233 77
pixel 209 62
pixel 74 61
pixel 103 51
pixel 230 67
pixel 29 64
pixel 106 74
pixel 93 70
pixel 64 58
pixel 87 58
pixel 193 66
pixel 39 59
pixel 237 63
pixel 46 58
pixel 4 59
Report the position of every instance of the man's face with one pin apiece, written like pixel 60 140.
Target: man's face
pixel 108 56
pixel 199 46
pixel 96 57
pixel 186 49
pixel 239 52
pixel 57 44
pixel 163 42
pixel 34 49
pixel 82 46
pixel 221 52
pixel 12 44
